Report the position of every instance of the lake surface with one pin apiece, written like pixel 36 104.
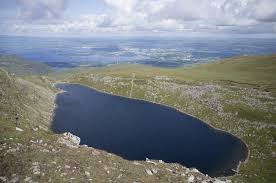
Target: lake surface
pixel 136 130
pixel 63 53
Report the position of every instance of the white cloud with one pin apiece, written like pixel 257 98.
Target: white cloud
pixel 41 9
pixel 235 16
pixel 265 10
pixel 86 23
pixel 185 15
pixel 123 6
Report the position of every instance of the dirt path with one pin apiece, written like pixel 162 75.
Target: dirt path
pixel 133 77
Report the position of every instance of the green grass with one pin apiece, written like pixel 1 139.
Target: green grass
pixel 18 66
pixel 253 70
pixel 246 93
pixel 31 100
pixel 244 87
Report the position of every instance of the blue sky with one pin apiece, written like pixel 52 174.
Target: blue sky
pixel 82 7
pixel 142 17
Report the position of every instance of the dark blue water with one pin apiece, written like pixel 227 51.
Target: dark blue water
pixel 136 130
pixel 166 52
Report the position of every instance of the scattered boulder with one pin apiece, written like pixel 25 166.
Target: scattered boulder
pixel 149 161
pixel 67 166
pixel 69 140
pixel 221 181
pixel 27 179
pixel 14 180
pixel 154 170
pixel 149 172
pixel 12 150
pixel 191 179
pixel 119 176
pixel 136 163
pixel 18 129
pixel 161 161
pixel 4 179
pixel 87 173
pixel 36 168
pixel 194 170
pixel 95 152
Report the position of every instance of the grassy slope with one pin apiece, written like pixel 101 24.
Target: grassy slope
pixel 241 100
pixel 31 98
pixel 35 155
pixel 258 70
pixel 19 66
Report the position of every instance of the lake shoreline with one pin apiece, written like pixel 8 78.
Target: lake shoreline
pixel 235 170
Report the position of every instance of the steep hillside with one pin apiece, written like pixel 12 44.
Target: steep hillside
pixel 18 66
pixel 31 152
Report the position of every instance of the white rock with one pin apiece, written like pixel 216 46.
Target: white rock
pixel 36 172
pixel 27 179
pixel 95 152
pixel 136 163
pixel 194 170
pixel 18 129
pixel 87 173
pixel 149 172
pixel 35 163
pixel 191 178
pixel 45 150
pixel 119 176
pixel 43 128
pixel 69 140
pixel 219 181
pixel 67 166
pixel 35 129
pixel 154 170
pixel 36 168
pixel 13 150
pixel 3 179
pixel 15 179
pixel 149 161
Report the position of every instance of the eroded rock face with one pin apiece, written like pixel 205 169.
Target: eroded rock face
pixel 69 140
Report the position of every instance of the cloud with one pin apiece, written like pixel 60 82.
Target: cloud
pixel 211 16
pixel 193 15
pixel 122 6
pixel 265 11
pixel 84 24
pixel 41 9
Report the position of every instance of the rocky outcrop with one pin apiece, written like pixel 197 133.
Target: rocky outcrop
pixel 69 140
